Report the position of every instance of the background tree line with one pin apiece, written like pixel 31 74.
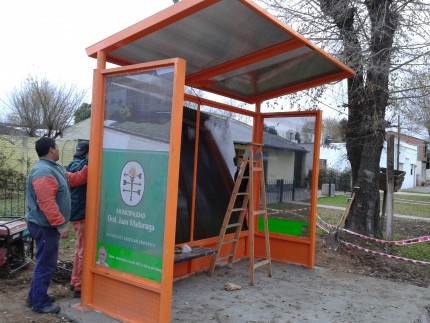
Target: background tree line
pixel 43 108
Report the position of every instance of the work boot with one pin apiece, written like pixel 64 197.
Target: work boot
pixel 51 309
pixel 29 303
pixel 77 294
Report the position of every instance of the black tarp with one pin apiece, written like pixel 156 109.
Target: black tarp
pixel 214 182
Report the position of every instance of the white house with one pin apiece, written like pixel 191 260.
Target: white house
pixel 334 156
pixel 407 162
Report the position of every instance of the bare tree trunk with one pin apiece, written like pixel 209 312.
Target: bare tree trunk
pixel 367 102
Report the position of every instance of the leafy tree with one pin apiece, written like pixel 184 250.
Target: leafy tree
pixel 385 42
pixel 335 128
pixel 308 132
pixel 83 112
pixel 125 113
pixel 41 105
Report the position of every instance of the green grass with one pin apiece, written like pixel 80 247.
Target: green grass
pixel 416 251
pixel 329 215
pixel 399 206
pixel 422 211
pixel 338 200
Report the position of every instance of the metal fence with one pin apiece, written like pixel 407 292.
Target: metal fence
pixel 341 183
pixel 12 197
pixel 17 158
pixel 281 191
pixel 13 203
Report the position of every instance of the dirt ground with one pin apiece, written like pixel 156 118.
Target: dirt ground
pixel 343 261
pixel 358 262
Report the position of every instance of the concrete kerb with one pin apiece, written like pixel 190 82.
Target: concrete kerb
pixel 70 310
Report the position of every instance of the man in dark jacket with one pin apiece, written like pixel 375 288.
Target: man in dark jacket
pixel 77 216
pixel 48 199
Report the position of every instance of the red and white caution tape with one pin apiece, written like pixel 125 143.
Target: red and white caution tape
pixel 321 227
pixel 276 211
pixel 398 242
pixel 372 252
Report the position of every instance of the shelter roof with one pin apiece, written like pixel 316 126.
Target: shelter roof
pixel 232 47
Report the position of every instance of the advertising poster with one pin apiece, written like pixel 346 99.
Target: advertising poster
pixel 134 173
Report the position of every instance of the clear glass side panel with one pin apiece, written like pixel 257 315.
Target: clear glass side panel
pixel 215 170
pixel 288 162
pixel 135 154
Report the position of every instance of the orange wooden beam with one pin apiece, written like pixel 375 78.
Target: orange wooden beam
pixel 149 25
pixel 203 78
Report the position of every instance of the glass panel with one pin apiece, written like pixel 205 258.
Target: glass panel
pixel 288 162
pixel 136 139
pixel 221 137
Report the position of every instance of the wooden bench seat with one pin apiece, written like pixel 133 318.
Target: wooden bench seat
pixel 196 252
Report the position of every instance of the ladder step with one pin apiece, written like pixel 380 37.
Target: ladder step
pixel 261 263
pixel 225 256
pixel 238 209
pixel 259 212
pixel 243 193
pixel 257 169
pixel 233 225
pixel 229 241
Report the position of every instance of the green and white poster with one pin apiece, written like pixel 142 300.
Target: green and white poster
pixel 134 173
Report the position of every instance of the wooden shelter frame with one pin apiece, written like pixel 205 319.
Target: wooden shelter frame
pixel 111 291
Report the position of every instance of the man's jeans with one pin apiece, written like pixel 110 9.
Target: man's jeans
pixel 47 246
pixel 76 282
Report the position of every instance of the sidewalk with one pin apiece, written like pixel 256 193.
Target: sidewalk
pixel 416 190
pixel 293 294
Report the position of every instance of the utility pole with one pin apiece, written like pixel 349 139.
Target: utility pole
pixel 389 201
pixel 398 141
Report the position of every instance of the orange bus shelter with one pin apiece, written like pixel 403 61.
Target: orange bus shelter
pixel 231 48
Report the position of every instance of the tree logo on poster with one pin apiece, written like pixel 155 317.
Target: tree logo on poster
pixel 132 183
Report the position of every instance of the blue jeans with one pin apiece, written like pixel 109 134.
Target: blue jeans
pixel 47 246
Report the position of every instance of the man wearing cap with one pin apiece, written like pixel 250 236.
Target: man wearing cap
pixel 77 216
pixel 49 204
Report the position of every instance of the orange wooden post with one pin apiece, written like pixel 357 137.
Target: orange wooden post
pixel 119 293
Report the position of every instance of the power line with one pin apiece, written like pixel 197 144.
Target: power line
pixel 325 104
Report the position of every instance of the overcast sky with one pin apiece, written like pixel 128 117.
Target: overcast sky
pixel 48 38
